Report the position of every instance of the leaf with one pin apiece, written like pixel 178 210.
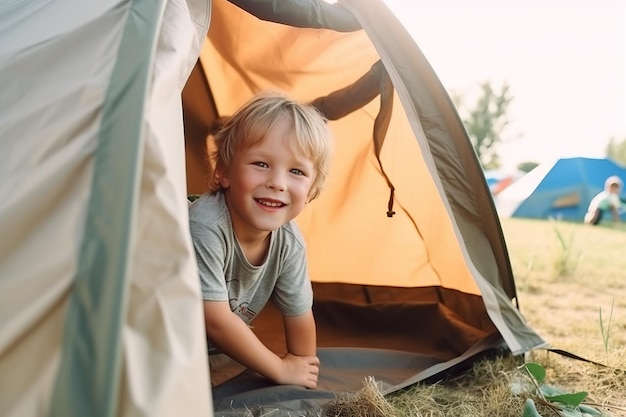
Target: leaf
pixel 537 371
pixel 605 335
pixel 548 390
pixel 573 399
pixel 589 410
pixel 559 235
pixel 529 409
pixel 576 412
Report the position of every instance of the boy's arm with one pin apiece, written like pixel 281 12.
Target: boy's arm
pixel 233 337
pixel 300 333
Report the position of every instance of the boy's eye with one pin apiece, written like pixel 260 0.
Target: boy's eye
pixel 260 164
pixel 296 171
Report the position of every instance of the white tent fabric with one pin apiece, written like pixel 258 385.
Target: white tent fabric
pixel 96 266
pixel 511 197
pixel 100 308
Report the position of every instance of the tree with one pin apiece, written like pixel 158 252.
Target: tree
pixel 486 120
pixel 527 166
pixel 616 150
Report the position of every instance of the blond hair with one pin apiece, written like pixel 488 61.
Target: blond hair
pixel 250 124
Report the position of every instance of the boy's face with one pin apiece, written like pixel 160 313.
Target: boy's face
pixel 267 185
pixel 614 188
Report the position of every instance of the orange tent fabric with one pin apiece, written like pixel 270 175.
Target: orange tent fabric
pixel 433 279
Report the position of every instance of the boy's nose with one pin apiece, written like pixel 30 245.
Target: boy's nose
pixel 276 181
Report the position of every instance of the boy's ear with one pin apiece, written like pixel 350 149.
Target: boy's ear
pixel 223 179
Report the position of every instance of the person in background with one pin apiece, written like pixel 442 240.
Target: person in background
pixel 607 200
pixel 271 159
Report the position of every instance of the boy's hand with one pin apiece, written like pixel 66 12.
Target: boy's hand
pixel 299 370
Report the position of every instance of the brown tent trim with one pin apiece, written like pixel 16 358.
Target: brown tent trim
pixel 348 99
pixel 381 125
pixel 342 102
pixel 199 114
pixel 377 316
pixel 301 13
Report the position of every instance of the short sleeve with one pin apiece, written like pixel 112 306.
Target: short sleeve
pixel 210 247
pixel 293 293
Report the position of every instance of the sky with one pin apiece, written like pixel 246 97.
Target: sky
pixel 564 62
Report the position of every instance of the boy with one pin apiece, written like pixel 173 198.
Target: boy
pixel 607 200
pixel 272 157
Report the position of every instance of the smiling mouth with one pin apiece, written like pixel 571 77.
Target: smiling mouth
pixel 270 203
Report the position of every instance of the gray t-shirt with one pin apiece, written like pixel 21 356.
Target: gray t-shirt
pixel 225 273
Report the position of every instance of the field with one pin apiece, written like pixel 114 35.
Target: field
pixel 568 276
pixel 571 282
pixel 563 286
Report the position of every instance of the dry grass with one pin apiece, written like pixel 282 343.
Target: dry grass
pixel 564 308
pixel 483 391
pixel 566 275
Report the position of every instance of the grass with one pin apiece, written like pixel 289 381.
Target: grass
pixel 570 279
pixel 564 308
pixel 571 310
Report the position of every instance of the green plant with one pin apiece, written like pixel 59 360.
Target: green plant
pixel 524 279
pixel 565 260
pixel 606 333
pixel 559 403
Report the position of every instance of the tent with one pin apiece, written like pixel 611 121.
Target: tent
pixel 560 189
pixel 98 284
pixel 410 270
pixel 99 307
pixel 499 179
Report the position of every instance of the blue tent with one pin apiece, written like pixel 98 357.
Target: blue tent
pixel 561 190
